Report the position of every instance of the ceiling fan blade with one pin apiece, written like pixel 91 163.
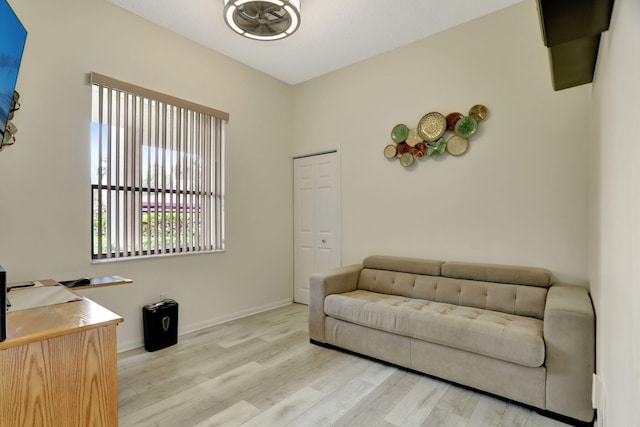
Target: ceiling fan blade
pixel 275 17
pixel 271 30
pixel 250 9
pixel 252 27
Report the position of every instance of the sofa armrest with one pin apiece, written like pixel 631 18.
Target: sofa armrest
pixel 569 335
pixel 336 281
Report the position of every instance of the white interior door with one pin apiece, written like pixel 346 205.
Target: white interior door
pixel 316 219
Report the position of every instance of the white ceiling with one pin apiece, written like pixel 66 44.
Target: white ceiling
pixel 332 35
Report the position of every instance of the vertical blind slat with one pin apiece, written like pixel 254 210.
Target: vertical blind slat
pixel 156 145
pixel 179 134
pixel 198 196
pixel 163 224
pixel 134 151
pixel 194 182
pixel 207 188
pixel 116 190
pixel 139 174
pixel 172 181
pixel 98 208
pixel 185 179
pixel 125 178
pixel 108 183
pixel 218 182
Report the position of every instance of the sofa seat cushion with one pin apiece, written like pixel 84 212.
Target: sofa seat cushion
pixel 508 337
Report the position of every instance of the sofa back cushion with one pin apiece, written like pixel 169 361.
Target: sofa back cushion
pixel 513 290
pixel 406 265
pixel 530 276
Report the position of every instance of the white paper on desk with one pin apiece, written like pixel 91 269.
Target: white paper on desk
pixel 39 296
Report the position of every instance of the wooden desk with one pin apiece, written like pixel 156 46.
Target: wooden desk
pixel 58 367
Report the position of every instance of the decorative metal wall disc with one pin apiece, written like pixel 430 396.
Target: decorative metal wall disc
pixel 413 138
pixel 452 119
pixel 399 133
pixel 478 112
pixel 435 148
pixel 432 126
pixel 403 147
pixel 457 145
pixel 466 127
pixel 390 151
pixel 419 150
pixel 406 159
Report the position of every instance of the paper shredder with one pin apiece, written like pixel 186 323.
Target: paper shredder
pixel 160 322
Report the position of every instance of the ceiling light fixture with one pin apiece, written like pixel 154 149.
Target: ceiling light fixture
pixel 263 19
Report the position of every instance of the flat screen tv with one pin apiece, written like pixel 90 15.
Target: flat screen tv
pixel 12 39
pixel 3 304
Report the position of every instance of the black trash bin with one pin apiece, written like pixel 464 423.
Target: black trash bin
pixel 160 322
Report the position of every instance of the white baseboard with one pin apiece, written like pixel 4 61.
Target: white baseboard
pixel 133 344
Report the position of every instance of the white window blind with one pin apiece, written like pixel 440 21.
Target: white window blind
pixel 157 173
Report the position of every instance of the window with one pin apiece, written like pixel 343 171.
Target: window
pixel 157 185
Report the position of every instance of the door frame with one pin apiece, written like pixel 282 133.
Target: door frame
pixel 327 150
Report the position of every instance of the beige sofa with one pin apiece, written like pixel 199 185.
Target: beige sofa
pixel 505 330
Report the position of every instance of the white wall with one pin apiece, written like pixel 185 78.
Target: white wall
pixel 615 214
pixel 45 196
pixel 519 194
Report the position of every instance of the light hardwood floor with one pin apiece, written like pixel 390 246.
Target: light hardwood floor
pixel 262 371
